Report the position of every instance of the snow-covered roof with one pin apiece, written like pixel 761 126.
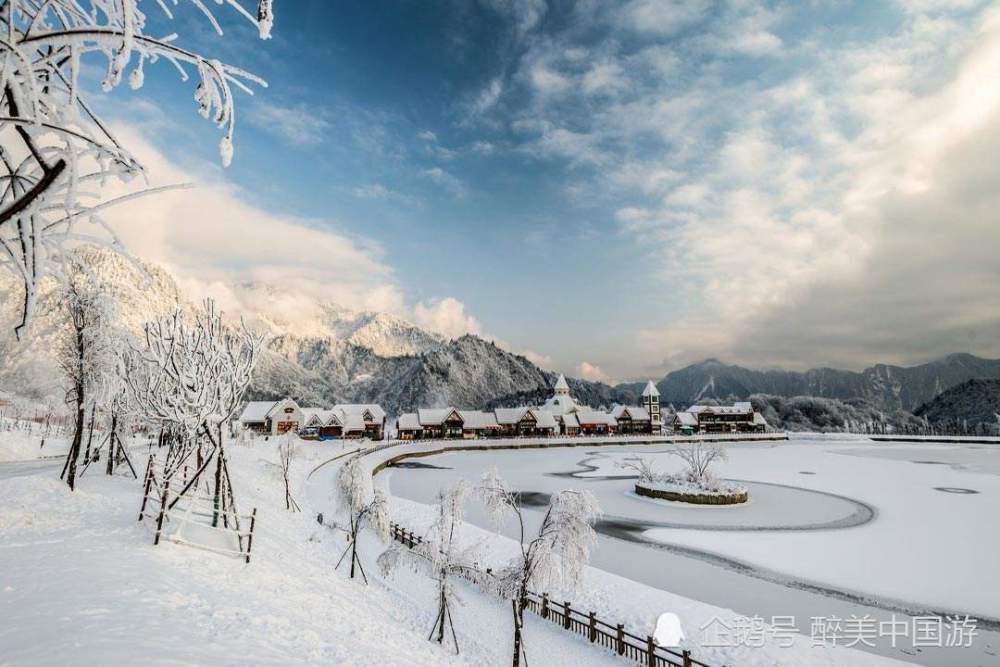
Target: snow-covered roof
pixel 636 413
pixel 353 422
pixel 510 415
pixel 735 409
pixel 375 411
pixel 256 411
pixel 596 418
pixel 408 422
pixel 475 419
pixel 282 404
pixel 435 416
pixel 313 416
pixel 332 418
pixel 560 405
pixel 650 389
pixel 544 419
pixel 561 384
pixel 686 419
pixel 759 419
pixel 570 421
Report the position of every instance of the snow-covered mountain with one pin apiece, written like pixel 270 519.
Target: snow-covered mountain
pixel 282 314
pixel 883 386
pixel 317 351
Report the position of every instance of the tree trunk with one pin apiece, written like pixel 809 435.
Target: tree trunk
pixel 442 611
pixel 69 470
pixel 218 488
pixel 90 437
pixel 112 444
pixel 518 620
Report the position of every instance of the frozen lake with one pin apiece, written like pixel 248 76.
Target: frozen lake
pixel 833 529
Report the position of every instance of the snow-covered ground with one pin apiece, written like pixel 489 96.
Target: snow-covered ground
pixel 832 529
pixel 28 441
pixel 81 583
pixel 80 580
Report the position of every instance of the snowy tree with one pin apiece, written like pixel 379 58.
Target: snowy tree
pixel 86 355
pixel 57 154
pixel 286 454
pixel 554 557
pixel 644 469
pixel 439 554
pixel 365 506
pixel 699 455
pixel 189 376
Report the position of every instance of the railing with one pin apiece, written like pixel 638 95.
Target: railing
pixel 615 637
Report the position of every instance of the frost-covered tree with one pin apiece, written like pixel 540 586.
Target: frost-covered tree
pixel 554 557
pixel 56 154
pixel 86 354
pixel 698 456
pixel 365 506
pixel 286 454
pixel 439 554
pixel 189 376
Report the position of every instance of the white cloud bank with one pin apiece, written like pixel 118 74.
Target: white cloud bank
pixel 214 241
pixel 839 208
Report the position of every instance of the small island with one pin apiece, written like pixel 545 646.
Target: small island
pixel 696 484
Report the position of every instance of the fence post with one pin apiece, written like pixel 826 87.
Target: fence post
pixel 593 627
pixel 545 605
pixel 687 658
pixel 651 651
pixel 566 611
pixel 253 520
pixel 621 639
pixel 163 510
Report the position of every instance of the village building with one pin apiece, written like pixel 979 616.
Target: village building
pixel 340 421
pixel 596 423
pixel 736 418
pixel 440 422
pixel 477 424
pixel 631 420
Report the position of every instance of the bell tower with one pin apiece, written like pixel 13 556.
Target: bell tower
pixel 651 401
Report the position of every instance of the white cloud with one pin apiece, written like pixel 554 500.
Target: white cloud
pixel 296 125
pixel 445 316
pixel 371 191
pixel 663 17
pixel 592 372
pixel 427 135
pixel 446 180
pixel 210 237
pixel 487 97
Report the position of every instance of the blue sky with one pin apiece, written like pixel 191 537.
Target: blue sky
pixel 615 188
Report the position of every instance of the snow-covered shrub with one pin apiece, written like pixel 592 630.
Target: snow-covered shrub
pixel 364 505
pixel 439 555
pixel 556 556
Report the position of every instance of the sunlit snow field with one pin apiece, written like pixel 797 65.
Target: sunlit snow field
pixel 834 528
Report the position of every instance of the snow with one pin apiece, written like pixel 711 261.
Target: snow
pixel 79 577
pixel 866 533
pixel 96 588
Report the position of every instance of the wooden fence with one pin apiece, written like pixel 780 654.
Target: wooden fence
pixel 171 495
pixel 641 650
